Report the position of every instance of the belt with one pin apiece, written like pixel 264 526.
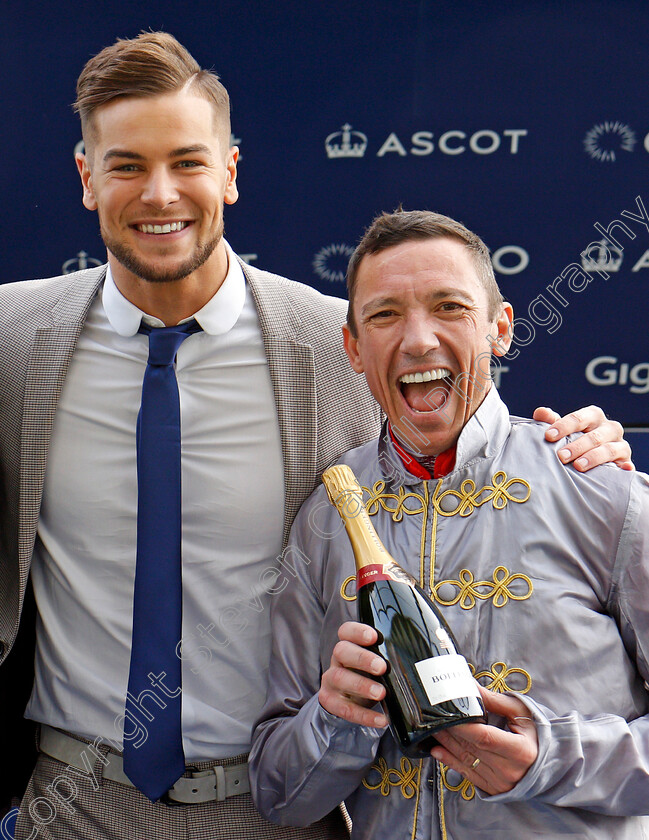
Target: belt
pixel 213 785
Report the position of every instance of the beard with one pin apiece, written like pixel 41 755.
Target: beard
pixel 127 257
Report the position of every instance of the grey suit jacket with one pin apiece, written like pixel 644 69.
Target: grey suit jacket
pixel 322 406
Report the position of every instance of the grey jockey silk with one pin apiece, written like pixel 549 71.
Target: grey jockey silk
pixel 543 576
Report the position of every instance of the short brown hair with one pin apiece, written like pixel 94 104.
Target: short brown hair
pixel 151 64
pixel 390 229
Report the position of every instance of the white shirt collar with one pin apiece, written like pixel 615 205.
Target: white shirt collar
pixel 218 316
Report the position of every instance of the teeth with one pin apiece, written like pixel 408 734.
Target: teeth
pixel 166 228
pixel 427 376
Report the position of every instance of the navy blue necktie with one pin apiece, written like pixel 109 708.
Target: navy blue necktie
pixel 153 749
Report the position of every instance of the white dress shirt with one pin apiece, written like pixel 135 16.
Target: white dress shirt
pixel 233 508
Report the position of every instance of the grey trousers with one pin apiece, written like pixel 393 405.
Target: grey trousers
pixel 61 803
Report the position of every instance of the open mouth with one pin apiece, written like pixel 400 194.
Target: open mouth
pixel 426 390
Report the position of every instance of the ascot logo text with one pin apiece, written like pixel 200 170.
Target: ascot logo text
pixel 348 143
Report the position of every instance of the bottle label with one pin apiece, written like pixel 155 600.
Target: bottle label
pixel 371 572
pixel 446 678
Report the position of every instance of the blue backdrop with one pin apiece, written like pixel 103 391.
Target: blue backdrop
pixel 527 122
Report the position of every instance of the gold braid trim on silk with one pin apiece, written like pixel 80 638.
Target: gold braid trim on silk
pixel 497 589
pixel 406 778
pixel 469 499
pixel 496 678
pixel 395 503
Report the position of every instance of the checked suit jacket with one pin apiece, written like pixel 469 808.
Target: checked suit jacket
pixel 322 406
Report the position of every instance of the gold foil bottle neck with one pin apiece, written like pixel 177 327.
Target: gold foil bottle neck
pixel 346 495
pixel 343 490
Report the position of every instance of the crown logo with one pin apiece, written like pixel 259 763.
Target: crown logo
pixel 606 257
pixel 340 145
pixel 78 263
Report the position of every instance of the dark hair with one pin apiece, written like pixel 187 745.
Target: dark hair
pixel 151 64
pixel 390 229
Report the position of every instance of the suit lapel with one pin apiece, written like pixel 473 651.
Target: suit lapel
pixel 46 370
pixel 292 374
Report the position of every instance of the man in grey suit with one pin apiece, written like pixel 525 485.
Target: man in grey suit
pixel 267 401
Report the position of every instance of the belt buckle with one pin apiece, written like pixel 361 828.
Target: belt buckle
pixel 220 793
pixel 172 803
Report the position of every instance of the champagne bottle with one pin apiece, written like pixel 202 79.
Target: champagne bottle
pixel 428 683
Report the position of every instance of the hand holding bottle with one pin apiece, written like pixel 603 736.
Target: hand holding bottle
pixel 505 754
pixel 347 689
pixel 493 759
